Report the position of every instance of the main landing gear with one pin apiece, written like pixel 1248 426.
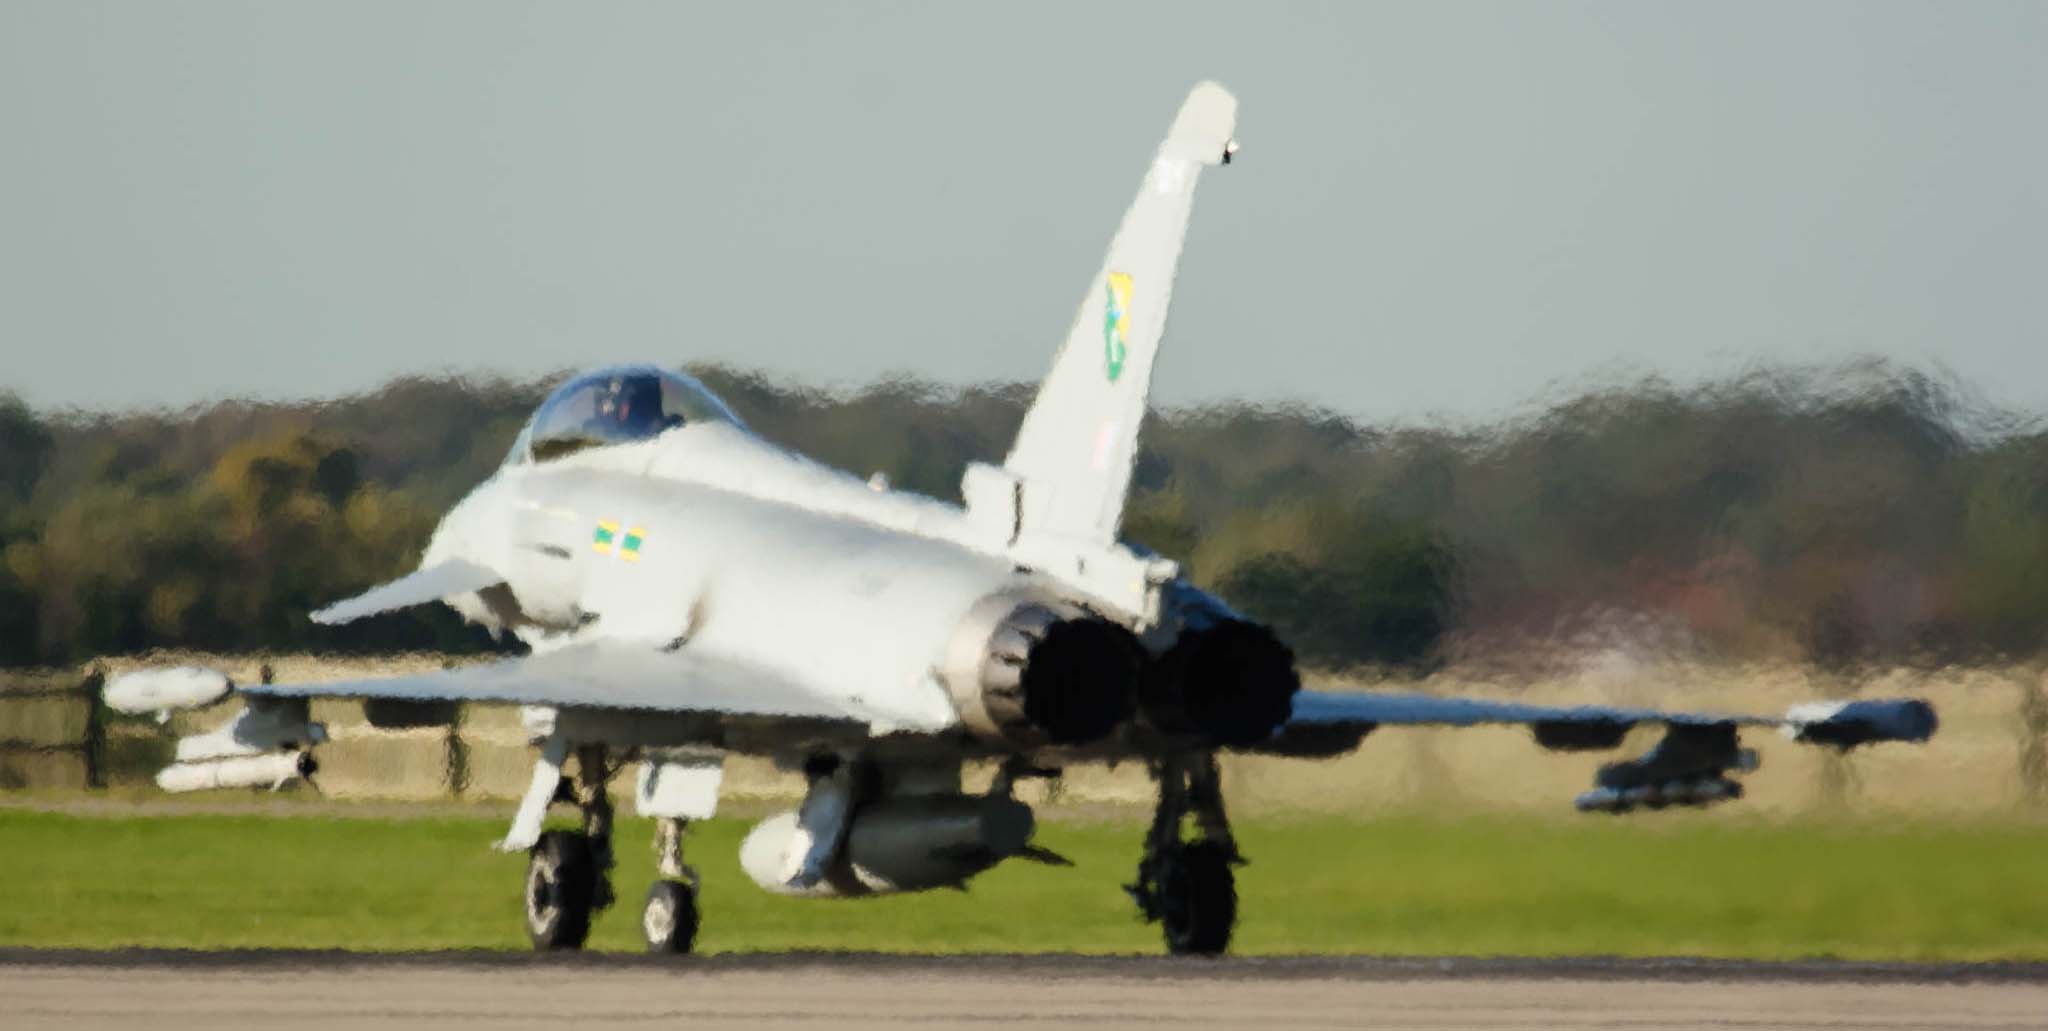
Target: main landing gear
pixel 668 922
pixel 1186 884
pixel 568 873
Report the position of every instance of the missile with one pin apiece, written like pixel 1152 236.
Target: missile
pixel 162 690
pixel 265 726
pixel 255 771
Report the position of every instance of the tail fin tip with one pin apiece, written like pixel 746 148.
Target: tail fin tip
pixel 1204 127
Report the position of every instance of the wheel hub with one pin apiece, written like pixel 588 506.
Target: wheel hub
pixel 543 896
pixel 659 919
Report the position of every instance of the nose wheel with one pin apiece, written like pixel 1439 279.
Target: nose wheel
pixel 669 920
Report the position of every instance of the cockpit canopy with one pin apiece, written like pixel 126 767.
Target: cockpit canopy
pixel 618 405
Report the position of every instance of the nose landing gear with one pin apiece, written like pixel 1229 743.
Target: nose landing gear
pixel 668 922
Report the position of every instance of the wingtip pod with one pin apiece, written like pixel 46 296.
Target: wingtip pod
pixel 165 690
pixel 1848 724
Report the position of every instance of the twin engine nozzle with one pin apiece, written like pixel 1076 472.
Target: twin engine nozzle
pixel 1033 672
pixel 1030 671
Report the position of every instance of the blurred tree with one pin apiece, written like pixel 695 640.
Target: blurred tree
pixel 25 446
pixel 118 570
pixel 1158 520
pixel 1373 591
pixel 2003 592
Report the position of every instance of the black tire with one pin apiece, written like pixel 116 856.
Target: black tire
pixel 561 882
pixel 1198 899
pixel 668 922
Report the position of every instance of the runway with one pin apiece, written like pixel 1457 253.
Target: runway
pixel 230 991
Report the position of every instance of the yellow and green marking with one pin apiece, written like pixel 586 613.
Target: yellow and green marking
pixel 612 538
pixel 1116 309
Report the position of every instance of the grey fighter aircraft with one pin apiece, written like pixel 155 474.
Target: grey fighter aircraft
pixel 689 590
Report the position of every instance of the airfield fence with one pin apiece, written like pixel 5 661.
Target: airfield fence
pixel 53 730
pixel 1991 753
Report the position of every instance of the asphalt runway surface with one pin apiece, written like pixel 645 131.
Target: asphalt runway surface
pixel 227 991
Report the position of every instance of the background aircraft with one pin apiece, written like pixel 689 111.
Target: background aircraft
pixel 689 589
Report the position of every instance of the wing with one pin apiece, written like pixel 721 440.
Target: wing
pixel 592 684
pixel 1688 766
pixel 430 584
pixel 1073 454
pixel 607 674
pixel 1838 723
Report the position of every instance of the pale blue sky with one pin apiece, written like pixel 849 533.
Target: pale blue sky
pixel 1442 210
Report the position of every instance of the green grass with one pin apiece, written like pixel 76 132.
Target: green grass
pixel 1477 885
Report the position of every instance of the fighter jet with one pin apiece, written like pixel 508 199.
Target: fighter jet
pixel 689 590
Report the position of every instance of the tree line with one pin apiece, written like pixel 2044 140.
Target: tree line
pixel 1841 515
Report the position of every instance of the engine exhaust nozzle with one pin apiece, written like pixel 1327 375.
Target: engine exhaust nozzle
pixel 1232 683
pixel 1032 672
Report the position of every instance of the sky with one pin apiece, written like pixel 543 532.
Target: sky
pixel 1441 211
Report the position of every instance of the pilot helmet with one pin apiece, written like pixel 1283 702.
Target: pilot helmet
pixel 631 400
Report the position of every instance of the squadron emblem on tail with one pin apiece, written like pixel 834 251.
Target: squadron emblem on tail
pixel 1116 307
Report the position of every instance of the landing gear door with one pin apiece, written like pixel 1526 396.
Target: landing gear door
pixel 679 783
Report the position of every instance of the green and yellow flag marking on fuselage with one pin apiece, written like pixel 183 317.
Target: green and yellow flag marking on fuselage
pixel 611 539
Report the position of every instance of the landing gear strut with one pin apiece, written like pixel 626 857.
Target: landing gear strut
pixel 1187 884
pixel 668 922
pixel 568 874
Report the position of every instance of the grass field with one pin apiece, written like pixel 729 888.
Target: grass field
pixel 1493 884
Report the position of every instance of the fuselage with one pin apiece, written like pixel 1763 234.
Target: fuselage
pixel 707 537
pixel 636 508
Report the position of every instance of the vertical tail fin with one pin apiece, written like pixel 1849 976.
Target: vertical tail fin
pixel 1073 455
